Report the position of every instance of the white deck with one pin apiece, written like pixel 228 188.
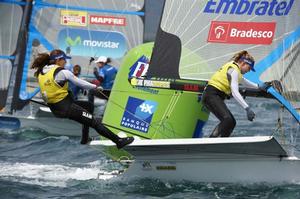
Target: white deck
pixel 259 145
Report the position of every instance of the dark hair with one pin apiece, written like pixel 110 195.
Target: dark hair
pixel 78 67
pixel 108 60
pixel 236 57
pixel 43 60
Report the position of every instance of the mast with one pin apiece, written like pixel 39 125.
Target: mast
pixel 16 77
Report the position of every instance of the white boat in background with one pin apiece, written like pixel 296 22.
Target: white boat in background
pixel 33 27
pixel 45 121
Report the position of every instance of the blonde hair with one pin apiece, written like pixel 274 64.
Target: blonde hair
pixel 236 57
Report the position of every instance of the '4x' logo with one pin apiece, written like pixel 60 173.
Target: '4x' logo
pixel 146 108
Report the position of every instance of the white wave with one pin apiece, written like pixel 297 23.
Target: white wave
pixel 52 174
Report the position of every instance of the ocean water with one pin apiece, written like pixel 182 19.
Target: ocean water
pixel 35 165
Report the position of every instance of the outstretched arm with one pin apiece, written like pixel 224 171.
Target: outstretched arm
pixel 69 76
pixel 249 84
pixel 234 85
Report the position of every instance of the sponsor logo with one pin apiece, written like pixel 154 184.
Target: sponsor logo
pixel 157 84
pixel 47 82
pixel 107 20
pixel 87 115
pixel 191 87
pixel 247 7
pixel 241 32
pixel 86 43
pixel 73 18
pixel 73 42
pixel 138 114
pixel 139 68
pixel 167 167
pixel 150 83
pixel 146 166
pixel 148 90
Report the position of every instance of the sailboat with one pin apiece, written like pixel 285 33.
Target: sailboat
pixel 77 27
pixel 157 95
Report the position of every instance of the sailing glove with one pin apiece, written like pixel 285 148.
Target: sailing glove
pixel 264 86
pixel 97 89
pixel 250 114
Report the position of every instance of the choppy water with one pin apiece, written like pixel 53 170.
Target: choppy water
pixel 35 165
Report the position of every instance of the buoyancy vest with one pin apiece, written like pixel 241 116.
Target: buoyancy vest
pixel 220 79
pixel 50 90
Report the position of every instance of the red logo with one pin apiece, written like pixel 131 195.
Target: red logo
pixel 107 20
pixel 78 19
pixel 191 87
pixel 141 69
pixel 241 32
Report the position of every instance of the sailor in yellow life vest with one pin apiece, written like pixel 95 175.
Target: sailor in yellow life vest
pixel 225 82
pixel 53 80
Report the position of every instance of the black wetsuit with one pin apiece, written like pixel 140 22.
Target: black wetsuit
pixel 213 100
pixel 82 112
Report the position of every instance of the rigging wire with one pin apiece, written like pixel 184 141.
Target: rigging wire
pixel 168 112
pixel 280 127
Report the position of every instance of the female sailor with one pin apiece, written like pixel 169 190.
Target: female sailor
pixel 225 82
pixel 53 81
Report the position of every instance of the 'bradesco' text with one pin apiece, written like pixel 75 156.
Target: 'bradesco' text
pixel 256 7
pixel 250 33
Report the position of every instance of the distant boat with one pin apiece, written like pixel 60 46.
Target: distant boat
pixel 80 29
pixel 157 95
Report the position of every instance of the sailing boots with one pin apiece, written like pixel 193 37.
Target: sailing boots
pixel 124 141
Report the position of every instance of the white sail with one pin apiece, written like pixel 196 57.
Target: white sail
pixel 83 29
pixel 197 37
pixel 10 21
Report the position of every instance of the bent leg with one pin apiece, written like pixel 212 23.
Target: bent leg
pixel 84 117
pixel 216 105
pixel 85 128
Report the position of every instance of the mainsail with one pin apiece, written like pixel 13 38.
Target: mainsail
pixel 83 29
pixel 11 19
pixel 196 37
